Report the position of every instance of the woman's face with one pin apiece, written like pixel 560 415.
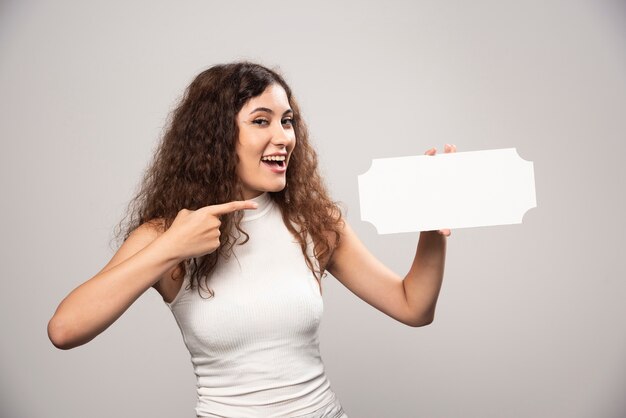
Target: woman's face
pixel 265 129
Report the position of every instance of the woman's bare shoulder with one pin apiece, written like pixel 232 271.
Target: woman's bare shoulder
pixel 167 286
pixel 138 239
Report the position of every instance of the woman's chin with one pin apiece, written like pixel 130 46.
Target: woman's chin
pixel 276 188
pixel 272 188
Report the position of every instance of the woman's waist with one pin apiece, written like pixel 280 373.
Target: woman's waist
pixel 310 398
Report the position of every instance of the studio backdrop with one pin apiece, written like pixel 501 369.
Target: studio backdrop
pixel 530 319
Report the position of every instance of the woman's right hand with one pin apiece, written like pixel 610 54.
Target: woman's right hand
pixel 194 233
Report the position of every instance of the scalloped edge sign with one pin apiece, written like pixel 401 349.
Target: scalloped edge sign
pixel 447 191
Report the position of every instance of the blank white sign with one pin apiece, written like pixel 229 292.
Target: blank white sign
pixel 447 191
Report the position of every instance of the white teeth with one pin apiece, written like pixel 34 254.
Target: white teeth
pixel 273 158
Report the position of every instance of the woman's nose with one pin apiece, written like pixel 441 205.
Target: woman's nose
pixel 282 136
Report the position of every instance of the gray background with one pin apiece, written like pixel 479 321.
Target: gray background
pixel 530 320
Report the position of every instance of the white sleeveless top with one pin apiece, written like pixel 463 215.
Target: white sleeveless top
pixel 254 345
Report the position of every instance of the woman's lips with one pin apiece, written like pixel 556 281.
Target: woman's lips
pixel 275 168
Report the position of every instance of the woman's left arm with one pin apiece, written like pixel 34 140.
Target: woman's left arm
pixel 410 300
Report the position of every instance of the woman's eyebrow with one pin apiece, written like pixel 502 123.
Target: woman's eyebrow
pixel 270 111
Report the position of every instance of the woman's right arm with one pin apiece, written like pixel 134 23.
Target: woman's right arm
pixel 92 307
pixel 146 256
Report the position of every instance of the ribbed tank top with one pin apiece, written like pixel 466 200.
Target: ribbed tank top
pixel 254 345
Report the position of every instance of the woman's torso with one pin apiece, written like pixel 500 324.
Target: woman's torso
pixel 254 345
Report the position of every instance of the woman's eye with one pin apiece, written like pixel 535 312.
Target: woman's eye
pixel 261 121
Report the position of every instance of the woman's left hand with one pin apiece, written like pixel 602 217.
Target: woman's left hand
pixel 433 151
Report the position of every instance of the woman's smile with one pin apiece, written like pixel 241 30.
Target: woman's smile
pixel 277 163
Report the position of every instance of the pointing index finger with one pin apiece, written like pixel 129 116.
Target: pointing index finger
pixel 228 207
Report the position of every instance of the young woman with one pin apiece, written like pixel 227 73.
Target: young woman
pixel 234 228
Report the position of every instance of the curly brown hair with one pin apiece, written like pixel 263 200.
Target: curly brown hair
pixel 195 166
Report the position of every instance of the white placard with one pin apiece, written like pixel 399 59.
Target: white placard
pixel 447 191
